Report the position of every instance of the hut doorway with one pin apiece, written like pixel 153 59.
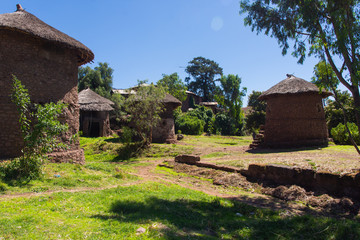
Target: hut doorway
pixel 94 129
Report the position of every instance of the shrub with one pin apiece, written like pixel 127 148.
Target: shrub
pixel 189 124
pixel 341 136
pixel 224 124
pixel 203 113
pixel 40 129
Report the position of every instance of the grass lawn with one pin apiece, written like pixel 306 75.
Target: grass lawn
pixel 105 199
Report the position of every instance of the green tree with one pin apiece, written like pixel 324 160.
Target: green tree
pixel 173 85
pixel 98 79
pixel 204 73
pixel 230 97
pixel 145 108
pixel 325 77
pixel 328 29
pixel 40 130
pixel 256 117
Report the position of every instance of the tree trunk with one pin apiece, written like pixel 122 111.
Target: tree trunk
pixel 356 96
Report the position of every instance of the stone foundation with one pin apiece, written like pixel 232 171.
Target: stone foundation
pixel 71 156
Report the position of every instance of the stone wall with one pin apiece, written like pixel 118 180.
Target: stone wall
pixel 47 71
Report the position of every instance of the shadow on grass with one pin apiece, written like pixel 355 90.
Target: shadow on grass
pixel 282 150
pixel 128 151
pixel 182 218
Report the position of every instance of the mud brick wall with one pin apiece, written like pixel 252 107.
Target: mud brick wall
pixel 47 70
pixel 294 120
pixel 324 182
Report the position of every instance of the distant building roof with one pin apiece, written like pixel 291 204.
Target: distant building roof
pixel 292 85
pixel 209 103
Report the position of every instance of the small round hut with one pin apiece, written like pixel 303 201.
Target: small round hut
pixel 165 131
pixel 94 114
pixel 46 61
pixel 294 114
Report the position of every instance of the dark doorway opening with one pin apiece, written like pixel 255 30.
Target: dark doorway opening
pixel 94 129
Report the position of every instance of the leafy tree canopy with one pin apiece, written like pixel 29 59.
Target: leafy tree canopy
pixel 173 85
pixel 255 103
pixel 328 29
pixel 256 116
pixel 98 79
pixel 230 97
pixel 145 108
pixel 204 73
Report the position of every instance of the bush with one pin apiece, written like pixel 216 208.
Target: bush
pixel 189 124
pixel 224 124
pixel 203 113
pixel 341 136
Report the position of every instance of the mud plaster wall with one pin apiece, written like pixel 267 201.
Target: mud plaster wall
pixel 297 119
pixel 89 117
pixel 165 131
pixel 47 71
pixel 324 182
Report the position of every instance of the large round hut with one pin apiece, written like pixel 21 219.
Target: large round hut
pixel 46 61
pixel 165 131
pixel 294 114
pixel 94 114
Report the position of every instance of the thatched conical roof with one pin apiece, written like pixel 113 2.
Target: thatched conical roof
pixel 91 101
pixel 171 99
pixel 24 22
pixel 292 85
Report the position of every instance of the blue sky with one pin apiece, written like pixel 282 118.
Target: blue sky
pixel 143 39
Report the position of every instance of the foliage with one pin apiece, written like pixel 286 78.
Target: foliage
pixel 189 124
pixel 98 79
pixel 341 135
pixel 328 29
pixel 230 98
pixel 256 116
pixel 40 130
pixel 333 112
pixel 145 108
pixel 173 85
pixel 204 114
pixel 225 124
pixel 203 71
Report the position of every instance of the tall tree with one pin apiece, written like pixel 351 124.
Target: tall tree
pixel 328 29
pixel 173 85
pixel 144 108
pixel 98 79
pixel 256 116
pixel 230 97
pixel 204 72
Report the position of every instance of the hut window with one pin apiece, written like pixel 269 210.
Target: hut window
pixel 164 123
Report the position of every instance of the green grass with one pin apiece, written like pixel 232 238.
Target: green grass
pixel 166 212
pixel 218 141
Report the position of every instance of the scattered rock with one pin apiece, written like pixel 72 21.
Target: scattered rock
pixel 180 137
pixel 187 158
pixel 140 230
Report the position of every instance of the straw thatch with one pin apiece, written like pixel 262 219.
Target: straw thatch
pixel 91 101
pixel 171 99
pixel 292 85
pixel 24 22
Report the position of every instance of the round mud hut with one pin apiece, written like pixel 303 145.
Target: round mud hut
pixel 294 115
pixel 46 61
pixel 94 114
pixel 165 131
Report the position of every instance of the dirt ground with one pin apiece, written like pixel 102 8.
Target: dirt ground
pixel 321 159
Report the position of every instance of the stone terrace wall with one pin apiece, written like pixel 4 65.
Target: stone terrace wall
pixel 47 71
